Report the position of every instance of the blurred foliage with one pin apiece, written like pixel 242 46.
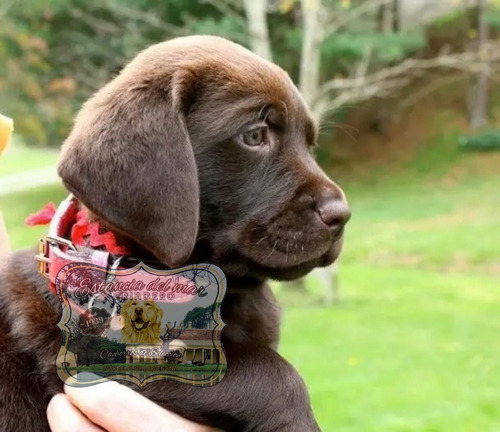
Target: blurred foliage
pixel 487 140
pixel 385 47
pixel 57 52
pixel 493 18
pixel 199 317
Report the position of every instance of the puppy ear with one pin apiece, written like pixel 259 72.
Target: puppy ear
pixel 129 160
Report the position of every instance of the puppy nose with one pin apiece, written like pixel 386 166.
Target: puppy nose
pixel 334 212
pixel 138 310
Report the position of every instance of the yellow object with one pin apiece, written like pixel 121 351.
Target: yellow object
pixel 6 128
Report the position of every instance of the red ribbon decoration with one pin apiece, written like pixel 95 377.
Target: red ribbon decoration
pixel 83 232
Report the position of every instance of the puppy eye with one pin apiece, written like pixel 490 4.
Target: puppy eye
pixel 255 137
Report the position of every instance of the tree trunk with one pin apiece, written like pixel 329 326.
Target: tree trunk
pixel 330 281
pixel 309 83
pixel 311 50
pixel 256 14
pixel 478 100
pixel 384 18
pixel 389 17
pixel 397 15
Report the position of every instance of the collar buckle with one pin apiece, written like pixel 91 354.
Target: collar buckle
pixel 43 251
pixel 42 257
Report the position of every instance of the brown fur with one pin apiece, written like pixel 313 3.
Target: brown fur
pixel 158 156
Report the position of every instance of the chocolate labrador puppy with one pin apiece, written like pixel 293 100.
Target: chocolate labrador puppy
pixel 197 151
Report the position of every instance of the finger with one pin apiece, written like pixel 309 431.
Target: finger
pixel 65 417
pixel 120 409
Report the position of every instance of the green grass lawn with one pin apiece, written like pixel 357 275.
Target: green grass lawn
pixel 413 344
pixel 18 158
pixel 405 350
pixel 16 207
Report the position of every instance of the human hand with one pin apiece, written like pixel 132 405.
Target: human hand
pixel 112 407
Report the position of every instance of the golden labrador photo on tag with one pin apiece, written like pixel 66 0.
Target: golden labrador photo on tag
pixel 141 324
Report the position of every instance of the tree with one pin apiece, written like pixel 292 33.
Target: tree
pixel 370 75
pixel 56 53
pixel 478 94
pixel 368 80
pixel 172 332
pixel 389 17
pixel 312 38
pixel 256 11
pixel 199 317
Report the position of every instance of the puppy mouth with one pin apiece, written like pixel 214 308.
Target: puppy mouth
pixel 299 269
pixel 139 324
pixel 281 247
pixel 271 250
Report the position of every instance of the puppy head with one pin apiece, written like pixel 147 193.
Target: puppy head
pixel 201 118
pixel 141 316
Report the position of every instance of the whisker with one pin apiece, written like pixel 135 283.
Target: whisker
pixel 262 239
pixel 274 248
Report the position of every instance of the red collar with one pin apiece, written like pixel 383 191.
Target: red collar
pixel 72 238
